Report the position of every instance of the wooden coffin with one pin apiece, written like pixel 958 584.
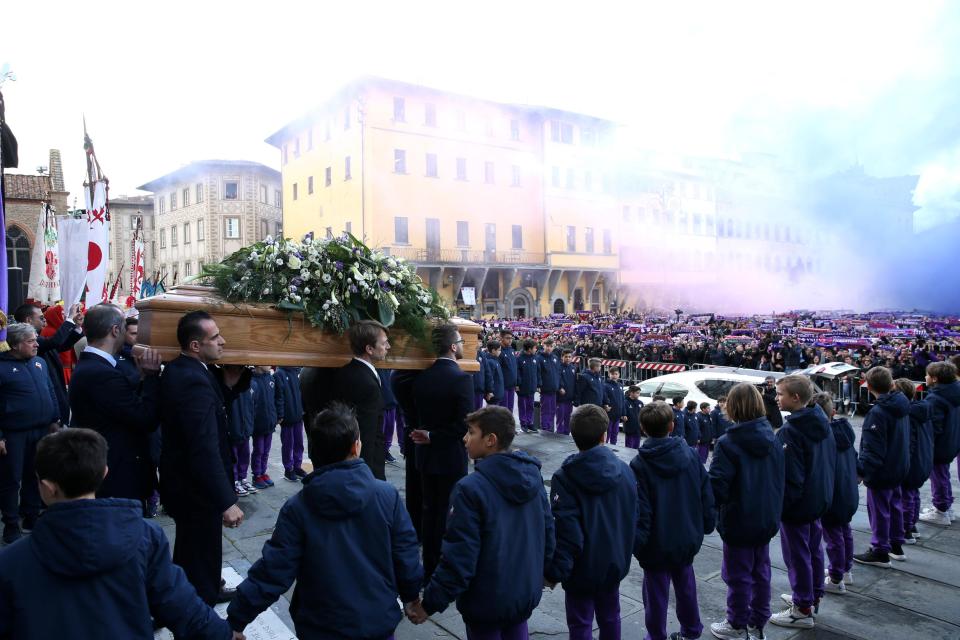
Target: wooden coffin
pixel 257 334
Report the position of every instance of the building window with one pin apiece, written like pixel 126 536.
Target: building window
pixel 589 240
pixel 399 161
pixel 264 229
pixel 133 222
pixel 153 250
pixel 173 236
pixel 296 147
pixel 461 168
pixel 186 197
pixel 161 204
pixel 173 201
pixel 329 233
pixel 186 233
pixel 163 238
pixel 488 172
pixel 431 165
pixel 430 115
pixel 399 110
pixel 555 177
pixel 348 227
pixel 518 236
pixel 463 233
pixel 346 168
pixel 231 228
pixel 296 190
pixel 309 139
pixel 200 230
pixel 263 193
pixel 309 186
pixel 515 181
pixel 278 198
pixel 561 132
pixel 199 191
pixel 515 130
pixel 188 268
pixel 400 232
pixel 231 189
pixel 328 176
pixel 607 242
pixel 278 227
pixel 346 118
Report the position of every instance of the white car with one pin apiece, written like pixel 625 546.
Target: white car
pixel 702 385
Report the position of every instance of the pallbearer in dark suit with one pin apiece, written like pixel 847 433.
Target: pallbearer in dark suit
pixel 357 385
pixel 103 398
pixel 196 464
pixel 444 396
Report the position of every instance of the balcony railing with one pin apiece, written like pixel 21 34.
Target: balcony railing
pixel 467 256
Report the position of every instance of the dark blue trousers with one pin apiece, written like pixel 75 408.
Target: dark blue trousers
pixel 19 493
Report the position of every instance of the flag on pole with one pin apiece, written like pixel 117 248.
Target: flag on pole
pixel 45 263
pixel 95 193
pixel 136 263
pixel 73 258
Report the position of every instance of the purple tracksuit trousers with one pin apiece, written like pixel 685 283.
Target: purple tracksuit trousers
pixel 613 430
pixel 291 446
pixel 241 453
pixel 803 556
pixel 838 539
pixel 261 453
pixel 525 408
pixel 393 421
pixel 515 632
pixel 548 411
pixel 910 501
pixel 564 409
pixel 746 571
pixel 886 517
pixel 940 486
pixel 656 596
pixel 582 608
pixel 509 396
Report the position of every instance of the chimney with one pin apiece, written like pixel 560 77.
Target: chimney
pixel 56 171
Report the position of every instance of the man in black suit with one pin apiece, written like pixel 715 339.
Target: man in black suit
pixel 102 398
pixel 196 463
pixel 444 396
pixel 49 348
pixel 357 385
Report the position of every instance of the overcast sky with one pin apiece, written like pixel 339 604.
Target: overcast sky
pixel 823 85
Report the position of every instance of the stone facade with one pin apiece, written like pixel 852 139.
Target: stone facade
pixel 124 211
pixel 209 209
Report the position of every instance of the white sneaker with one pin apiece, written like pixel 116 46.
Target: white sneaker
pixel 755 634
pixel 787 598
pixel 246 484
pixel 239 490
pixel 794 618
pixel 847 577
pixel 834 587
pixel 726 631
pixel 935 516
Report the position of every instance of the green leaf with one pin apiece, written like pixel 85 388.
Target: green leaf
pixel 386 314
pixel 286 305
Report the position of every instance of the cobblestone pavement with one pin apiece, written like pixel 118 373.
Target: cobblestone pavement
pixel 918 598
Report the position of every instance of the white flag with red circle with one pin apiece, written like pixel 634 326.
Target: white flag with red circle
pixel 99 242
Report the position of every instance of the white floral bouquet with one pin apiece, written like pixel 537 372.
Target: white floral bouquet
pixel 333 282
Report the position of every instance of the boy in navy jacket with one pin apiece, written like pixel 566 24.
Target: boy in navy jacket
pixel 549 385
pixel 837 535
pixel 691 425
pixel 590 384
pixel 810 456
pixel 676 487
pixel 615 403
pixel 944 402
pixel 107 568
pixel 705 423
pixel 481 381
pixel 495 575
pixel 679 420
pixel 883 464
pixel 921 458
pixel 719 420
pixel 267 410
pixel 631 428
pixel 492 362
pixel 528 383
pixel 566 391
pixel 291 424
pixel 345 538
pixel 595 508
pixel 747 480
pixel 508 363
pixel 240 415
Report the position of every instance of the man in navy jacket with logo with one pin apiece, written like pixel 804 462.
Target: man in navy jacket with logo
pixel 566 391
pixel 508 362
pixel 528 383
pixel 549 385
pixel 29 411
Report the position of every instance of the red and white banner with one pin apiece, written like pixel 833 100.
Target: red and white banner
pixel 45 264
pixel 136 264
pixel 659 366
pixel 99 241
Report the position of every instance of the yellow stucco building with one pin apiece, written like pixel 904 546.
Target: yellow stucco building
pixel 514 202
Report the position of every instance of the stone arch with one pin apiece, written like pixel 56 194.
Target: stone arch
pixel 559 305
pixel 519 302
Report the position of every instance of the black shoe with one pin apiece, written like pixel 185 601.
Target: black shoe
pixel 896 552
pixel 227 594
pixel 389 458
pixel 873 557
pixel 290 476
pixel 300 472
pixel 11 533
pixel 29 524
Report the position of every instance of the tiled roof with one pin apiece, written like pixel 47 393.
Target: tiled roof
pixel 21 187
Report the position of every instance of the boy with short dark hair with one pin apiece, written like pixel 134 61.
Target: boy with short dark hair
pixel 615 403
pixel 595 507
pixel 837 534
pixel 691 424
pixel 528 383
pixel 94 557
pixel 883 464
pixel 345 538
pixel 508 364
pixel 944 401
pixel 492 363
pixel 718 418
pixel 550 385
pixel 670 476
pixel 590 384
pixel 495 575
pixel 810 455
pixel 921 458
pixel 631 428
pixel 566 392
pixel 679 420
pixel 707 436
